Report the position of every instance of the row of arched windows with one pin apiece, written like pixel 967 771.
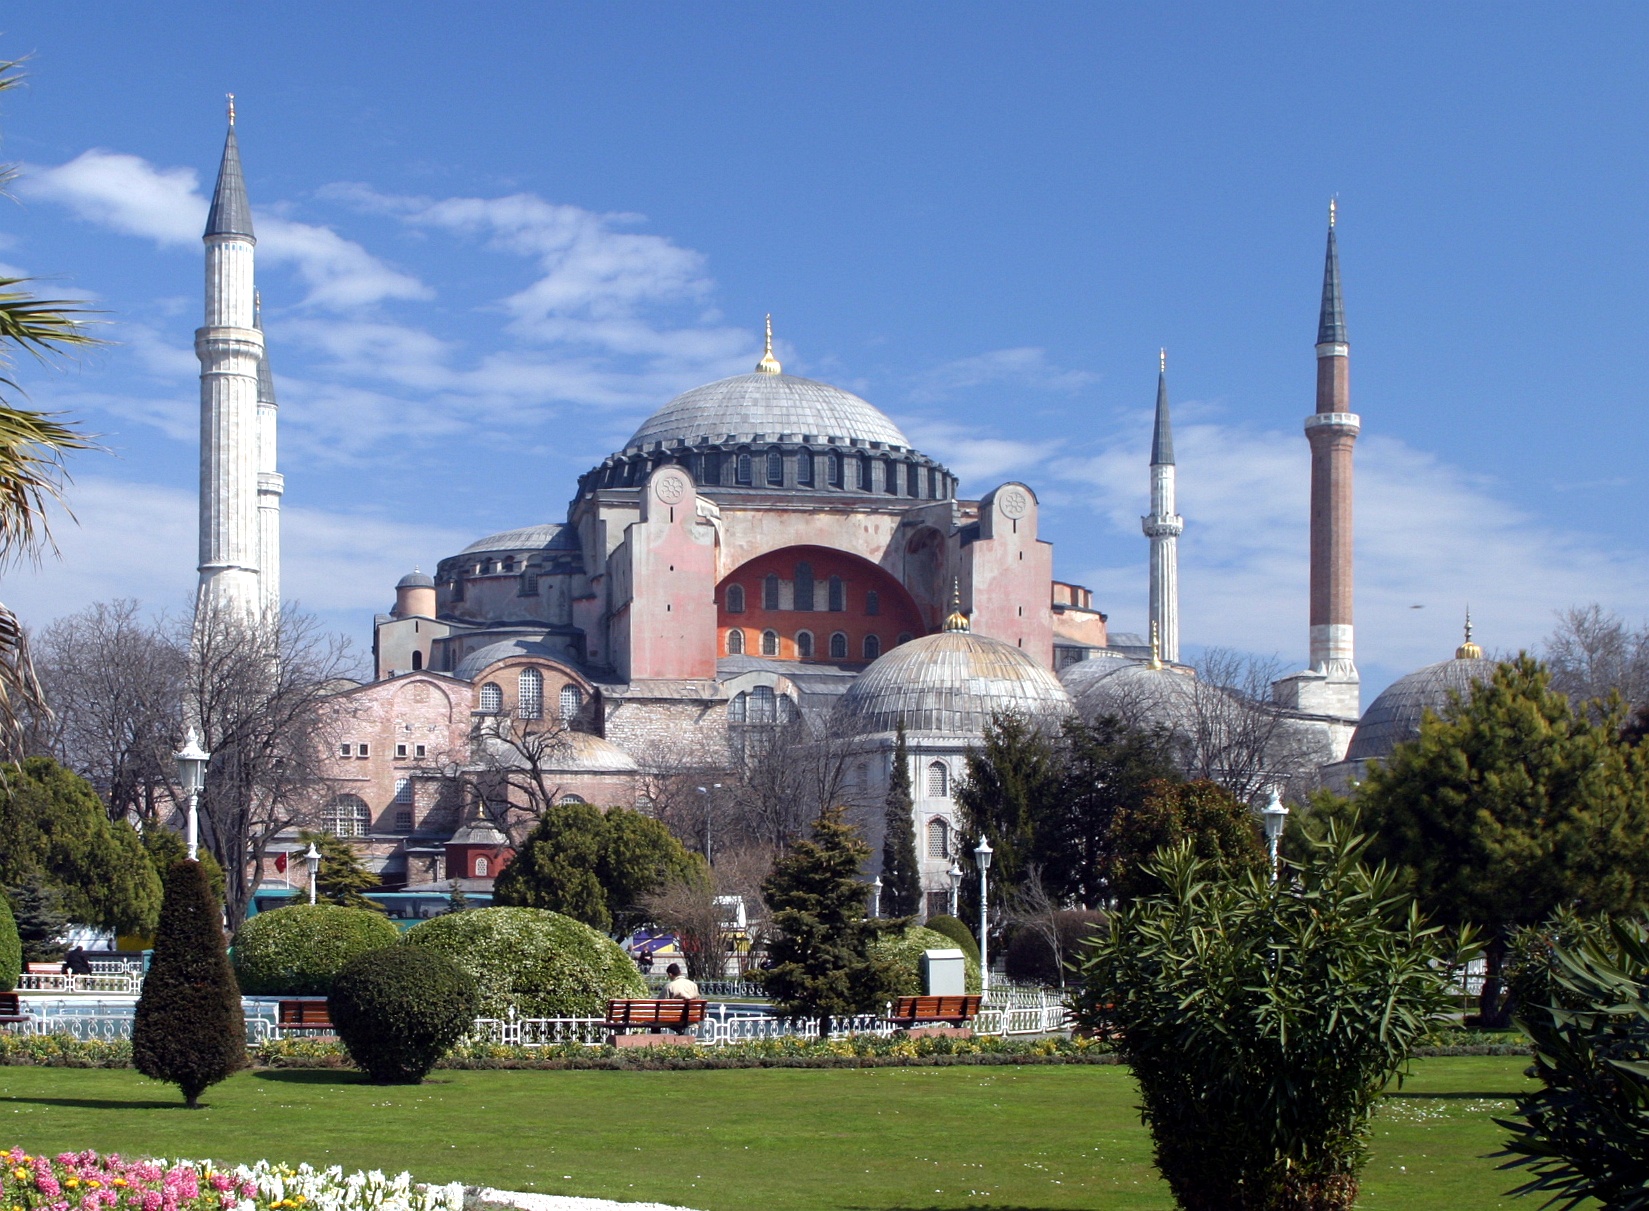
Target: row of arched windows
pixel 852 469
pixel 804 594
pixel 837 648
pixel 761 705
pixel 529 697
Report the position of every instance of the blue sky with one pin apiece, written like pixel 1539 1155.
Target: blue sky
pixel 494 238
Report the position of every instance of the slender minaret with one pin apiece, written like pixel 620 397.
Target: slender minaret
pixel 1332 431
pixel 1163 527
pixel 271 485
pixel 230 349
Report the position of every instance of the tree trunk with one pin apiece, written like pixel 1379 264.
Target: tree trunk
pixel 1494 1008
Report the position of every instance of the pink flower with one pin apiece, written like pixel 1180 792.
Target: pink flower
pixel 47 1183
pixel 150 1200
pixel 221 1182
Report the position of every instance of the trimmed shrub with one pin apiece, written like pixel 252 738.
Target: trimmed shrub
pixel 904 953
pixel 399 1009
pixel 11 950
pixel 957 931
pixel 189 1030
pixel 296 951
pixel 543 964
pixel 1030 957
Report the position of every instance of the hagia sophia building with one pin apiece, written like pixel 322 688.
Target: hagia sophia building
pixel 762 548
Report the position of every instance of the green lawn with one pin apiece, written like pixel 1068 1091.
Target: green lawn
pixel 762 1140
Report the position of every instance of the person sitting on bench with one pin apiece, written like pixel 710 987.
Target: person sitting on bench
pixel 680 986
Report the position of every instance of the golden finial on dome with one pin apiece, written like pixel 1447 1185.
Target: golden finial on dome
pixel 1468 650
pixel 1156 648
pixel 769 364
pixel 231 109
pixel 957 621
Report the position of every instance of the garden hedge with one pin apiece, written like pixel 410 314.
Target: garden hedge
pixel 541 963
pixel 297 951
pixel 11 950
pixel 958 932
pixel 905 951
pixel 398 1010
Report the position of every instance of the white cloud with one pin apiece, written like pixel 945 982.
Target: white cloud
pixel 1025 367
pixel 979 460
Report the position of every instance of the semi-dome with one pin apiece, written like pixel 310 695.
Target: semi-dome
pixel 528 538
pixel 952 683
pixel 1395 715
pixel 471 666
pixel 767 406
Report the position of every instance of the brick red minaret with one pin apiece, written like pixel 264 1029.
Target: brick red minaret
pixel 1332 431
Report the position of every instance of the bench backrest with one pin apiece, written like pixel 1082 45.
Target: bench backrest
pixel 936 1009
pixel 10 1006
pixel 667 1011
pixel 304 1013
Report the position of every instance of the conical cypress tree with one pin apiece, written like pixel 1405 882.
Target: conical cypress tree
pixel 901 877
pixel 11 950
pixel 189 1030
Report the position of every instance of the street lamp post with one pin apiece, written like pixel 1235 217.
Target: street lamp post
pixel 876 897
pixel 705 791
pixel 982 855
pixel 1275 815
pixel 312 859
pixel 955 873
pixel 191 767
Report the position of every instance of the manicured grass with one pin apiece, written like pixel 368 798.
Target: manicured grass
pixel 750 1140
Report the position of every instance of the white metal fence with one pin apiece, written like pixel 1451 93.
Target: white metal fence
pixel 114 983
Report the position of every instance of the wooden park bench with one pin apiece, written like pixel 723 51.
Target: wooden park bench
pixel 303 1015
pixel 11 1010
pixel 954 1011
pixel 626 1019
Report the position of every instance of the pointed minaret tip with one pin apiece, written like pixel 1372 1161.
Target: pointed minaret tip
pixel 231 108
pixel 769 364
pixel 231 213
pixel 1331 319
pixel 1162 434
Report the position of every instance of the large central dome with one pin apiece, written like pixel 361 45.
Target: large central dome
pixel 767 407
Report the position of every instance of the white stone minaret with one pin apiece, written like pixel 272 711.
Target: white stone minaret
pixel 1163 527
pixel 230 349
pixel 271 485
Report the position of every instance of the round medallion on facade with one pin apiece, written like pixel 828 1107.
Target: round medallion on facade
pixel 1013 503
pixel 670 487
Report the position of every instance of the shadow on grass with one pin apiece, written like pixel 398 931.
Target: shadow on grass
pixel 1497 1095
pixel 95 1103
pixel 332 1076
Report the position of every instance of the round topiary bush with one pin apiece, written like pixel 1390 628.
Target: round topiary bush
pixel 398 1010
pixel 294 952
pixel 956 931
pixel 11 950
pixel 904 951
pixel 542 963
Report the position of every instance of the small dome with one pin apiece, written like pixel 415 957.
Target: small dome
pixel 766 405
pixel 1395 715
pixel 1131 690
pixel 528 538
pixel 571 753
pixel 470 666
pixel 416 580
pixel 951 683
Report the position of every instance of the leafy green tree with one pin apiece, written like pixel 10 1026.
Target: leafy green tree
pixel 1012 783
pixel 342 876
pixel 1584 1003
pixel 41 921
pixel 52 824
pixel 1263 1019
pixel 596 867
pixel 822 965
pixel 11 948
pixel 164 847
pixel 1219 827
pixel 1511 804
pixel 901 876
pixel 189 1030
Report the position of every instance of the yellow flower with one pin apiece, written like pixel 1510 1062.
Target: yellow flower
pixel 20 1173
pixel 120 1181
pixel 72 1182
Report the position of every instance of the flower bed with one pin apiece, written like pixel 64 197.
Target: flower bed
pixel 86 1181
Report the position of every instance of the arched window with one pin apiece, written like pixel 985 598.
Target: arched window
pixel 509 563
pixel 804 468
pixel 764 705
pixel 775 468
pixel 572 701
pixel 838 594
pixel 492 698
pixel 873 647
pixel 933 483
pixel 864 472
pixel 904 637
pixel 735 599
pixel 735 642
pixel 743 467
pixel 835 469
pixel 938 780
pixel 890 477
pixel 403 790
pixel 873 603
pixel 804 645
pixel 481 868
pixel 804 586
pixel 710 467
pixel 770 591
pixel 838 646
pixel 913 480
pixel 417 661
pixel 346 816
pixel 938 839
pixel 529 694
pixel 736 708
pixel 569 797
pixel 770 643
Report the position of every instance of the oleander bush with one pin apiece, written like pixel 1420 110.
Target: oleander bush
pixel 11 949
pixel 957 931
pixel 905 952
pixel 540 963
pixel 297 951
pixel 399 1009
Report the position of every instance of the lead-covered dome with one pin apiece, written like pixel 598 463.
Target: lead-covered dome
pixel 1131 690
pixel 1395 715
pixel 767 407
pixel 951 683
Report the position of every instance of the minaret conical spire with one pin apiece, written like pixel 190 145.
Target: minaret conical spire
pixel 266 377
pixel 1331 319
pixel 1162 437
pixel 231 213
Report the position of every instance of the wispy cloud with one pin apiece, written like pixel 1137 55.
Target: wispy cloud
pixel 979 459
pixel 1027 367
